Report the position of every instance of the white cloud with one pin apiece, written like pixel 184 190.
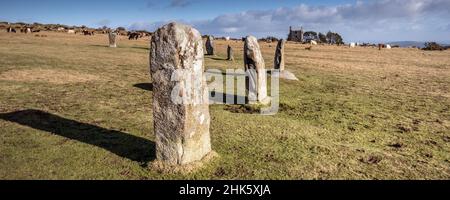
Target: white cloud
pixel 146 25
pixel 105 22
pixel 180 3
pixel 363 20
pixel 230 29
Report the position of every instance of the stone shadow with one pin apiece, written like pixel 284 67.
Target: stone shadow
pixel 122 144
pixel 218 59
pixel 144 86
pixel 224 73
pixel 230 99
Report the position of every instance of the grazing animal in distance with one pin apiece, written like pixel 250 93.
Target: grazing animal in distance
pixel 11 30
pixel 133 36
pixel 86 32
pixel 308 48
pixel 25 30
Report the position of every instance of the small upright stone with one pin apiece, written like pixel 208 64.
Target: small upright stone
pixel 256 83
pixel 278 63
pixel 230 55
pixel 279 55
pixel 210 45
pixel 112 39
pixel 176 67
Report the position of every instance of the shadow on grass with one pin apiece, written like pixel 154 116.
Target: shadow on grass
pixel 211 72
pixel 229 99
pixel 122 144
pixel 143 48
pixel 218 59
pixel 144 86
pixel 96 45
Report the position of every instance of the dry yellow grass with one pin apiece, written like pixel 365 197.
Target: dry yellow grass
pixel 50 76
pixel 355 113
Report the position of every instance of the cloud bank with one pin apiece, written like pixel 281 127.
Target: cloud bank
pixel 361 21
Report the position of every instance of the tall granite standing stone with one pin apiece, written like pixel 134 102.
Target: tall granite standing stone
pixel 256 83
pixel 279 55
pixel 230 55
pixel 181 128
pixel 112 39
pixel 210 45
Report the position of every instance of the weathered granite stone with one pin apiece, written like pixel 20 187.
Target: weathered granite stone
pixel 279 63
pixel 279 55
pixel 230 55
pixel 181 127
pixel 256 83
pixel 210 45
pixel 112 39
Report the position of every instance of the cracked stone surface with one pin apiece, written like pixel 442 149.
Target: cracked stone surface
pixel 210 45
pixel 279 55
pixel 230 55
pixel 176 65
pixel 112 39
pixel 256 83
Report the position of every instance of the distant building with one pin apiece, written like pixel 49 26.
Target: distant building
pixel 296 35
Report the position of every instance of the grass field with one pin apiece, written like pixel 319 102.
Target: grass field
pixel 72 108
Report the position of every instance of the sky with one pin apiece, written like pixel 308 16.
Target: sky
pixel 355 20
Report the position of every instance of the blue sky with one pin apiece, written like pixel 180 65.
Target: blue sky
pixel 369 20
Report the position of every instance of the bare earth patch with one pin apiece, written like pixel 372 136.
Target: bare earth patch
pixel 47 75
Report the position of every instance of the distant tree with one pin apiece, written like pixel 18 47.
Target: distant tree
pixel 121 29
pixel 322 38
pixel 330 37
pixel 269 38
pixel 433 46
pixel 334 38
pixel 339 39
pixel 310 35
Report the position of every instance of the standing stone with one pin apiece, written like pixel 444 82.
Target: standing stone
pixel 210 45
pixel 176 67
pixel 112 39
pixel 256 83
pixel 279 61
pixel 279 55
pixel 230 56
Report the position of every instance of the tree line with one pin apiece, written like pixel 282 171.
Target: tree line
pixel 329 38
